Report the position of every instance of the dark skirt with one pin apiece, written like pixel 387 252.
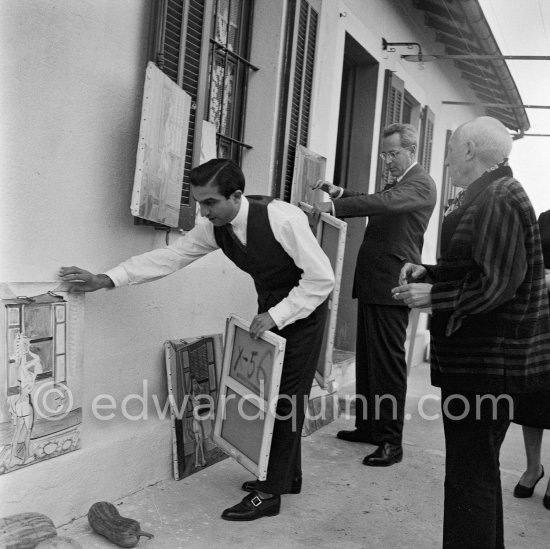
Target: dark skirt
pixel 533 410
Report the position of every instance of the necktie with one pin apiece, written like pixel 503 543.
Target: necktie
pixel 391 184
pixel 232 234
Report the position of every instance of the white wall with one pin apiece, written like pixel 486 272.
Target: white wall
pixel 72 73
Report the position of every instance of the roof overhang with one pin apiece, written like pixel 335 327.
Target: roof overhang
pixel 462 28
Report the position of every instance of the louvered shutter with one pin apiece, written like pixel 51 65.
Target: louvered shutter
pixel 392 113
pixel 448 191
pixel 177 41
pixel 298 85
pixel 190 83
pixel 426 138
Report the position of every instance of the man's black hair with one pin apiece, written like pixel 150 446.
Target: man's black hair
pixel 223 173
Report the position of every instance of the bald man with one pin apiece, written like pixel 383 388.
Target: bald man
pixel 490 329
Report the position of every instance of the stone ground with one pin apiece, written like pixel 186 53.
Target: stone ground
pixel 343 503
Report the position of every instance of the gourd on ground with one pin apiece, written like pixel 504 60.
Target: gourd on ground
pixel 105 519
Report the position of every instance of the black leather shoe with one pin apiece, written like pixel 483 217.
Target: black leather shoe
pixel 295 487
pixel 253 507
pixel 386 454
pixel 354 436
pixel 546 501
pixel 521 491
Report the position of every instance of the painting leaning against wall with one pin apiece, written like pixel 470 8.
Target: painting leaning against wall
pixel 40 373
pixel 193 368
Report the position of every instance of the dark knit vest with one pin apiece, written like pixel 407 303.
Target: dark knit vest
pixel 264 259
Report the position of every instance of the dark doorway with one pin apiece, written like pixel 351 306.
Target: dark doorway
pixel 352 167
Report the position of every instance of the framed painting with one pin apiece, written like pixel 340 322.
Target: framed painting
pixel 249 387
pixel 331 235
pixel 193 368
pixel 40 373
pixel 309 167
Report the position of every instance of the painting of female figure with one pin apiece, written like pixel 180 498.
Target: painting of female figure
pixel 28 366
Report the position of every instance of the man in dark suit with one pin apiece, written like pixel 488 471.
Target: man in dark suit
pixel 398 217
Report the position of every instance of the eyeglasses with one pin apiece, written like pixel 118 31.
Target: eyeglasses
pixel 391 154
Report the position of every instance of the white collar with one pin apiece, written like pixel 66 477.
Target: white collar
pixel 241 219
pixel 405 172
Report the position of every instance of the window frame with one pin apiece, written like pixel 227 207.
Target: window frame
pixel 234 139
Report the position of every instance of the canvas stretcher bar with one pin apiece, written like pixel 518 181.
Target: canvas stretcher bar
pixel 249 387
pixel 331 235
pixel 309 167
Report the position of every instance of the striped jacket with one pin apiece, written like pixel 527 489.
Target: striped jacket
pixel 490 329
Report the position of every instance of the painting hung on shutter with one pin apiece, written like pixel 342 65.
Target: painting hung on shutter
pixel 177 47
pixel 426 138
pixel 293 129
pixel 392 113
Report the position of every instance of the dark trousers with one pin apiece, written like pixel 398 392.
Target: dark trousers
pixel 381 371
pixel 473 497
pixel 303 345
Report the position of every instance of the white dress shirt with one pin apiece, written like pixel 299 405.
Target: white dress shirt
pixel 290 228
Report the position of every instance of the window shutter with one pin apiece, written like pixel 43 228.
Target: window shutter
pixel 177 43
pixel 190 83
pixel 392 113
pixel 297 90
pixel 426 138
pixel 448 191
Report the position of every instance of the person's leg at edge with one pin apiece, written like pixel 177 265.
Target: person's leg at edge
pixel 532 438
pixel 473 497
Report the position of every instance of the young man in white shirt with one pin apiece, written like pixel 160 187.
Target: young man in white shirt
pixel 272 241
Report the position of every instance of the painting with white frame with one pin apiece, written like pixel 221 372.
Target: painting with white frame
pixel 331 235
pixel 309 167
pixel 249 387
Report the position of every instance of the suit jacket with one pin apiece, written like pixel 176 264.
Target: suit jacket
pixel 490 329
pixel 398 217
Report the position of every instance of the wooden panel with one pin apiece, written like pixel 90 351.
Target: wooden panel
pixel 161 150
